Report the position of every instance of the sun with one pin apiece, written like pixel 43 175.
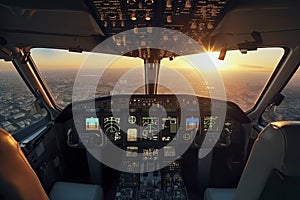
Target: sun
pixel 204 61
pixel 222 65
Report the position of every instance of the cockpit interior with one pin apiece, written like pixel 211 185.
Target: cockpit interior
pixel 148 99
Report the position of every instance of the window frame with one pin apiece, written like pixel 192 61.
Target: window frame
pixel 21 134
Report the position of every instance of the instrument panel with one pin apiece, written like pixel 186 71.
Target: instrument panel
pixel 143 124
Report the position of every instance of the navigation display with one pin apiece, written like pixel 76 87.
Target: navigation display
pixel 192 123
pixel 149 128
pixel 169 128
pixel 211 123
pixel 112 128
pixel 92 124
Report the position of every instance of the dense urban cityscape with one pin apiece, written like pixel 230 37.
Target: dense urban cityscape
pixel 18 111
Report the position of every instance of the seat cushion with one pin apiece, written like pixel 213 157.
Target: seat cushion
pixel 75 191
pixel 219 194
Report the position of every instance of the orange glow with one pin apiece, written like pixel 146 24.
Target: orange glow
pixel 6 66
pixel 260 60
pixel 62 59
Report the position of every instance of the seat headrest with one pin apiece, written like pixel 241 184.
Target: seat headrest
pixel 290 131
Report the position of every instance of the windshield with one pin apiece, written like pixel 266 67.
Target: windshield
pixel 243 76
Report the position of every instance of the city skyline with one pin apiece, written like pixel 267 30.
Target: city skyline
pixel 242 76
pixel 17 109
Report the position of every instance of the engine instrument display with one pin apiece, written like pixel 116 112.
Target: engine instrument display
pixel 211 123
pixel 149 128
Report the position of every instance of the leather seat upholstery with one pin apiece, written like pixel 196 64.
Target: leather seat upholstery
pixel 18 180
pixel 276 148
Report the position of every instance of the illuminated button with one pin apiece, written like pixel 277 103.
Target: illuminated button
pixel 169 19
pixel 149 2
pixel 188 4
pixel 120 16
pixel 131 2
pixel 210 25
pixel 168 4
pixel 122 23
pixel 111 15
pixel 102 17
pixel 214 12
pixel 194 25
pixel 140 5
pixel 148 17
pixel 133 16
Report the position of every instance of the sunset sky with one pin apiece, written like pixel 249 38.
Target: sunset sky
pixel 261 60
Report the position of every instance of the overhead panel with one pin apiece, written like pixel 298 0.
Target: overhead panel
pixel 191 17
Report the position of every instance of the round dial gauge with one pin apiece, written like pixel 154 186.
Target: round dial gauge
pixel 131 119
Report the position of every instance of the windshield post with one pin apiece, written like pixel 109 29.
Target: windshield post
pixel 151 75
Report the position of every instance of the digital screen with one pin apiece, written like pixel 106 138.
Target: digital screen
pixel 169 151
pixel 168 128
pixel 131 151
pixel 150 154
pixel 192 123
pixel 149 128
pixel 211 123
pixel 132 135
pixel 112 128
pixel 92 124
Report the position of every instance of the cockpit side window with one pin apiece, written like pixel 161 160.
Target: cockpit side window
pixel 18 107
pixel 288 109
